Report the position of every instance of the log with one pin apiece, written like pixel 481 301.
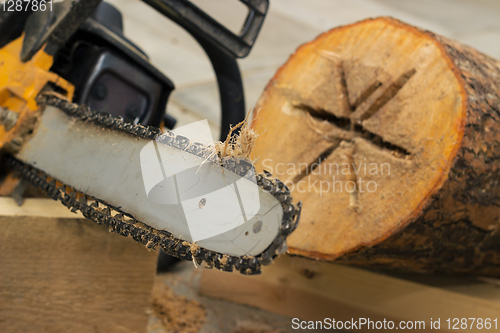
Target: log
pixel 390 136
pixel 63 273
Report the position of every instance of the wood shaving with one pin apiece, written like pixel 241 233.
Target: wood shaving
pixel 240 145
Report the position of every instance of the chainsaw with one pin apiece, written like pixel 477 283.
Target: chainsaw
pixel 82 118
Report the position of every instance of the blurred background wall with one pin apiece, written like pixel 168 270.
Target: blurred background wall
pixel 289 24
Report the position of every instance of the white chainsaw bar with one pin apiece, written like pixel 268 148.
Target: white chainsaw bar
pixel 194 198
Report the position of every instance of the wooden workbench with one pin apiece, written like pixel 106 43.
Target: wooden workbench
pixel 62 273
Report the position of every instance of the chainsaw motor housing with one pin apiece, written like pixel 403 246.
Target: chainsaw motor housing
pixel 111 74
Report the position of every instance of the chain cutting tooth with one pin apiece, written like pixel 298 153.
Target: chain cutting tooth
pixel 228 266
pixel 83 200
pixel 181 142
pixel 197 149
pixel 153 242
pixel 167 138
pixel 267 185
pixel 140 130
pixel 266 259
pixel 178 247
pixel 198 256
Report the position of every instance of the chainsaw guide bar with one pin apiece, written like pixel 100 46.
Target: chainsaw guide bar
pixel 123 223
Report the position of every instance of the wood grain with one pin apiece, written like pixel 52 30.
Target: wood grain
pixel 315 290
pixel 62 273
pixel 390 136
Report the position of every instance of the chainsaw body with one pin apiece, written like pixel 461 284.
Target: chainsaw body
pixel 77 99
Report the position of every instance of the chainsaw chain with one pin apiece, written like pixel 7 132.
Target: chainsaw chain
pixel 126 225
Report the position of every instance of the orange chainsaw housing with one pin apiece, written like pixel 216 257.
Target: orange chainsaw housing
pixel 20 84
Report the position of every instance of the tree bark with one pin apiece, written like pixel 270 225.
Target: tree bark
pixel 390 136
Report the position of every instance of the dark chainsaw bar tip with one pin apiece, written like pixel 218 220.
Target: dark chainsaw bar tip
pixel 126 225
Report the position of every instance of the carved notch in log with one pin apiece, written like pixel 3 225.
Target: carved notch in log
pixel 390 136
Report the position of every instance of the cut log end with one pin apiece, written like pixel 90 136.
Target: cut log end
pixel 368 126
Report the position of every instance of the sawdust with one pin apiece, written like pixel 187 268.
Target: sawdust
pixel 177 313
pixel 240 145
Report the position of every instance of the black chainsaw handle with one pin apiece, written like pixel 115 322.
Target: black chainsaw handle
pixel 193 19
pixel 231 94
pixel 222 47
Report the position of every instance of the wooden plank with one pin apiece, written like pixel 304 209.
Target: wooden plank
pixel 59 273
pixel 313 290
pixel 36 208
